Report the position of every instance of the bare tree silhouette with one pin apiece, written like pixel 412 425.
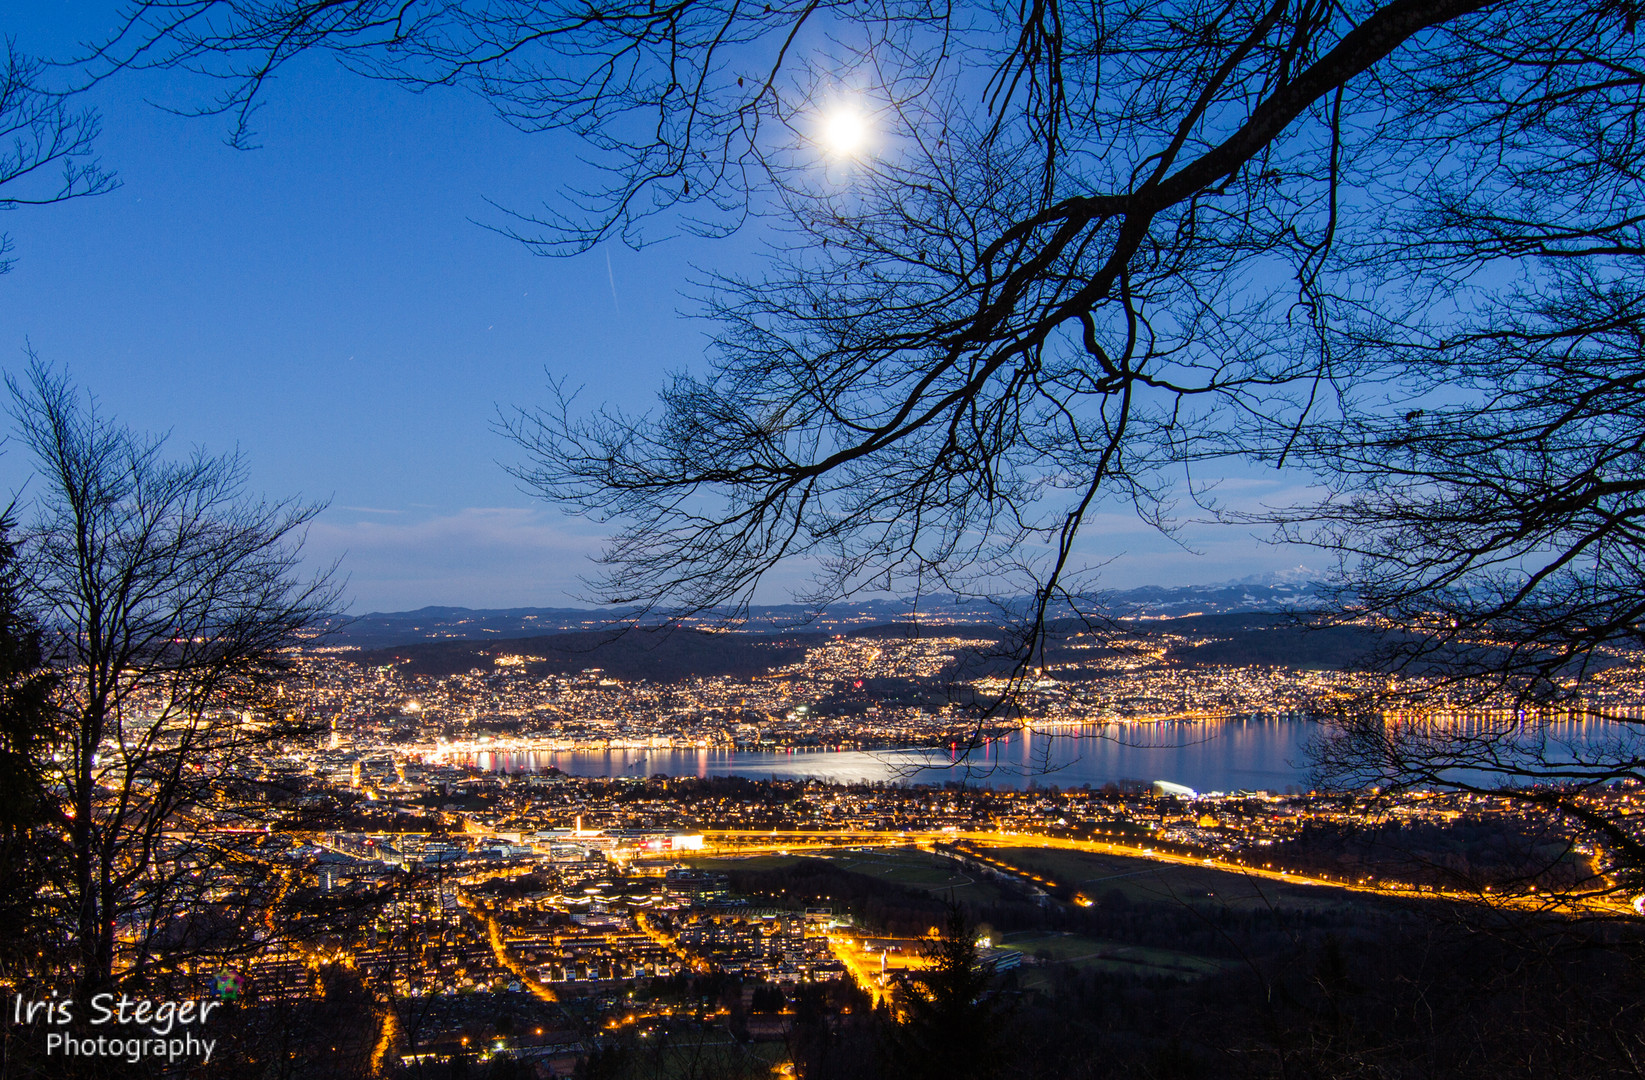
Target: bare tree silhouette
pixel 45 142
pixel 167 601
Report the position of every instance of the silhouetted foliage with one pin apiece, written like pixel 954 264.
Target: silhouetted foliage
pixel 949 1024
pixel 26 685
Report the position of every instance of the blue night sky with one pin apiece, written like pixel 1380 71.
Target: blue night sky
pixel 329 305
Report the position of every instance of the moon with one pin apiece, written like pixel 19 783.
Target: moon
pixel 844 130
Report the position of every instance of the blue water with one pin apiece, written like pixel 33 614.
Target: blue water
pixel 1258 755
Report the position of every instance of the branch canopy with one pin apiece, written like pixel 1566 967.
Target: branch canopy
pixel 1072 256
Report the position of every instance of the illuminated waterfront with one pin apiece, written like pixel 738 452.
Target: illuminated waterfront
pixel 1258 755
pixel 1268 755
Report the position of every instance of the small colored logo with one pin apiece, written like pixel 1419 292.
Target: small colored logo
pixel 228 985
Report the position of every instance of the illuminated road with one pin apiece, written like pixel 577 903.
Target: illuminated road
pixel 388 1034
pixel 669 942
pixel 506 959
pixel 864 963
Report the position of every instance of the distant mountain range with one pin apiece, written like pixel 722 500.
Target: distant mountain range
pixel 1283 592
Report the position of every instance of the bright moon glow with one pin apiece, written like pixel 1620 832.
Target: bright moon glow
pixel 844 131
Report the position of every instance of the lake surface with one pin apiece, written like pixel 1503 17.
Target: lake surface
pixel 1234 755
pixel 1257 755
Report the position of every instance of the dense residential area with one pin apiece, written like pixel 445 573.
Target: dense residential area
pixel 476 904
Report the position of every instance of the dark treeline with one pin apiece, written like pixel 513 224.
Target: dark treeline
pixel 1434 999
pixel 1364 988
pixel 656 654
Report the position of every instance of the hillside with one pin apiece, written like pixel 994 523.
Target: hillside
pixel 658 655
pixel 675 653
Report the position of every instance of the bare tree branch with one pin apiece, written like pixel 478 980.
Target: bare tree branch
pixel 168 602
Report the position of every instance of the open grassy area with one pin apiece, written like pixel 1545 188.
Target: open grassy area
pixel 1144 880
pixel 1092 873
pixel 1102 954
pixel 744 862
pixel 919 870
pixel 899 866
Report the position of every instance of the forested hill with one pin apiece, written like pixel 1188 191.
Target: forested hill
pixel 660 655
pixel 1271 594
pixel 674 653
pixel 1241 639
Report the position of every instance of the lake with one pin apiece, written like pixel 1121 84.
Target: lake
pixel 1269 755
pixel 1232 755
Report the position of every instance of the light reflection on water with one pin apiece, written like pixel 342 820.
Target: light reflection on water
pixel 1233 755
pixel 1207 757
